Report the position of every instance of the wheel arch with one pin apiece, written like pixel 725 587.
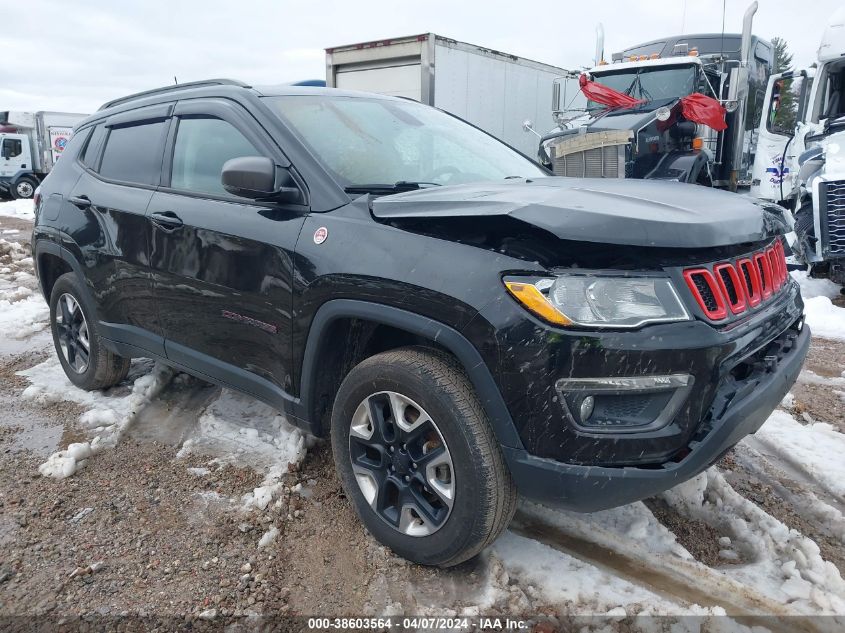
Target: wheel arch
pixel 361 329
pixel 51 262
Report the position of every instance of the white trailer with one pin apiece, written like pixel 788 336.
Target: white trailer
pixel 495 91
pixel 30 143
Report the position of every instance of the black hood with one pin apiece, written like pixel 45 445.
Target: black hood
pixel 604 211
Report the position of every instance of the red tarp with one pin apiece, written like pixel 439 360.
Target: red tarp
pixel 606 96
pixel 700 108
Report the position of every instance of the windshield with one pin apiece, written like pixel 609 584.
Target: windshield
pixel 363 141
pixel 651 84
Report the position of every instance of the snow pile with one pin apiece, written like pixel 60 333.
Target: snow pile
pixel 815 287
pixel 18 209
pixel 817 449
pixel 109 412
pixel 23 311
pixel 786 566
pixel 824 318
pixel 239 429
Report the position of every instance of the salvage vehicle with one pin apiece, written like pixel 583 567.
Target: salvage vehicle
pixel 682 108
pixel 30 143
pixel 801 160
pixel 462 324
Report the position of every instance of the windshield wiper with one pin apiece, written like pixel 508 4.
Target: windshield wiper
pixel 397 187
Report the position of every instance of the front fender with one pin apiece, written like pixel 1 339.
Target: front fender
pixel 682 166
pixel 425 327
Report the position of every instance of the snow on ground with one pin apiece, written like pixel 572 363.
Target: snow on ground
pixel 109 412
pixel 23 311
pixel 817 449
pixel 815 287
pixel 24 209
pixel 824 318
pixel 239 429
pixel 786 566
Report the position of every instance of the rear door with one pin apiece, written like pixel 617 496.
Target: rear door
pixel 222 264
pixel 122 163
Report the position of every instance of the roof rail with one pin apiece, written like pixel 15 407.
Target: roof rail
pixel 185 86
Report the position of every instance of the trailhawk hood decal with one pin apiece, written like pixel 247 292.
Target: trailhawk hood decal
pixel 611 211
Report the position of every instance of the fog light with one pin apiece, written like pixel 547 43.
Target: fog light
pixel 623 404
pixel 587 406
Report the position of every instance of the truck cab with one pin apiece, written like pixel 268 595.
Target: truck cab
pixel 653 139
pixel 15 159
pixel 801 162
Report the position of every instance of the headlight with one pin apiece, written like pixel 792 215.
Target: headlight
pixel 599 301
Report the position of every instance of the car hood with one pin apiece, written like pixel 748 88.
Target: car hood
pixel 605 211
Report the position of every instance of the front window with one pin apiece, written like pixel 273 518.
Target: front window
pixel 368 140
pixel 655 83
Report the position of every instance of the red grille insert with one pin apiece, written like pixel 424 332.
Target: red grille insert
pixel 738 285
pixel 706 292
pixel 731 286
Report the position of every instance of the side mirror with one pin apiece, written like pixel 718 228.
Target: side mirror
pixel 255 177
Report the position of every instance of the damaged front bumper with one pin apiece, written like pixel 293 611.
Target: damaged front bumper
pixel 743 401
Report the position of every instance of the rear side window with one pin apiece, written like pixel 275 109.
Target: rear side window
pixel 202 146
pixel 133 153
pixel 92 149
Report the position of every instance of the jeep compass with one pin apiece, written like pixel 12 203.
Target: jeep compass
pixel 463 326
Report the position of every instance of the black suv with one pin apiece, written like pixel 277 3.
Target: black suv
pixel 462 325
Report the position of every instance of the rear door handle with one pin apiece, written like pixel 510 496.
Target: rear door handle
pixel 80 201
pixel 166 220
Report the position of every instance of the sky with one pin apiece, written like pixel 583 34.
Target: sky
pixel 73 55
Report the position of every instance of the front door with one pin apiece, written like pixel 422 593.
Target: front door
pixel 774 162
pixel 221 264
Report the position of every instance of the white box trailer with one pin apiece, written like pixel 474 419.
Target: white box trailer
pixel 30 143
pixel 493 90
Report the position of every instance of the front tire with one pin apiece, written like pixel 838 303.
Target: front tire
pixel 417 456
pixel 87 363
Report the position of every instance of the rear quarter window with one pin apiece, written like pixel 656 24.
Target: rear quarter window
pixel 92 148
pixel 133 153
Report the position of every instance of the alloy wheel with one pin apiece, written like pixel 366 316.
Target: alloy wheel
pixel 402 463
pixel 72 331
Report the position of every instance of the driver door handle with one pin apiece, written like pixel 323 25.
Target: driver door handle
pixel 166 220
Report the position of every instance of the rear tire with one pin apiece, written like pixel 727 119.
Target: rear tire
pixel 443 515
pixel 87 363
pixel 24 188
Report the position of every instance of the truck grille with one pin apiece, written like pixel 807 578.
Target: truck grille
pixel 834 212
pixel 591 155
pixel 599 162
pixel 740 285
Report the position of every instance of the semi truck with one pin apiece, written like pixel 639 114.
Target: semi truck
pixel 656 134
pixel 800 162
pixel 30 144
pixel 494 91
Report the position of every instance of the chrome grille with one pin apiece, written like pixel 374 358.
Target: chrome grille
pixel 591 155
pixel 599 162
pixel 835 215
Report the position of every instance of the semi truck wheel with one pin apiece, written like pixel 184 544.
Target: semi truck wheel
pixel 418 459
pixel 24 188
